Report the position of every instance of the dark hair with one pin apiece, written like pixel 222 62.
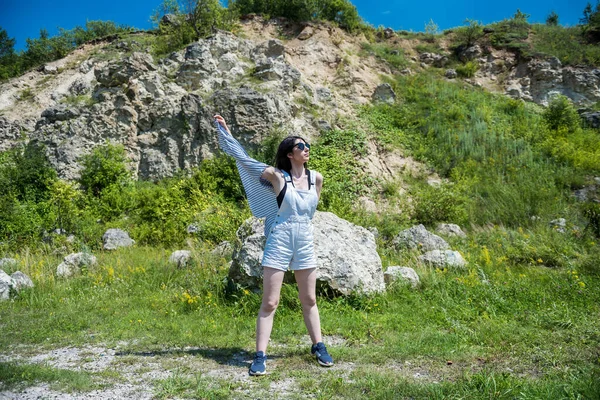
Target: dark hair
pixel 286 146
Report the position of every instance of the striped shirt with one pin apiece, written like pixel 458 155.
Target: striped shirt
pixel 260 194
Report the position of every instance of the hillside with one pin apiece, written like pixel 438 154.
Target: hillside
pixel 407 129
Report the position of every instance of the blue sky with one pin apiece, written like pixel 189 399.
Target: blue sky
pixel 24 18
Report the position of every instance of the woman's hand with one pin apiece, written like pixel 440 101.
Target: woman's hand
pixel 221 121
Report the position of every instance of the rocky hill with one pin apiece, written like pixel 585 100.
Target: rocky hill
pixel 273 75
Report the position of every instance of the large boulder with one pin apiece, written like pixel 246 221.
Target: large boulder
pixel 347 260
pixel 443 259
pixel 73 263
pixel 419 238
pixel 115 238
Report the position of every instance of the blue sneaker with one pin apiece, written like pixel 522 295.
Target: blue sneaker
pixel 259 365
pixel 323 357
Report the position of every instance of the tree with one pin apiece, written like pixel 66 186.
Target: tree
pixel 587 13
pixel 521 18
pixel 552 19
pixel 7 45
pixel 468 35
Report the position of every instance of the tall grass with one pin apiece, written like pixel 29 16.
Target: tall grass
pixel 498 152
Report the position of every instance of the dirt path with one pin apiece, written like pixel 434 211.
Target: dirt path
pixel 122 374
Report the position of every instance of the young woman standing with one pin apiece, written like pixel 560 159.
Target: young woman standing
pixel 286 196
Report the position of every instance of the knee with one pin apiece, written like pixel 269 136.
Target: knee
pixel 269 305
pixel 308 301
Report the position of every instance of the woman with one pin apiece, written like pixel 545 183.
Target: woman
pixel 286 196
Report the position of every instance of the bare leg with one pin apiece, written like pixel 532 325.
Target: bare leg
pixel 307 281
pixel 272 280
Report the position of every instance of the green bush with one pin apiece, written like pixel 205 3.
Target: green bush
pixel 467 70
pixel 26 173
pixel 438 204
pixel 343 12
pixel 335 156
pixel 469 34
pixel 219 175
pixel 592 212
pixel 512 33
pixel 561 114
pixel 105 166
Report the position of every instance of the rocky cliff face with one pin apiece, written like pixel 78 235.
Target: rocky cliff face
pixel 161 110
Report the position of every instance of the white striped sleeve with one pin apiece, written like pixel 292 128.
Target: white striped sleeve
pixel 259 192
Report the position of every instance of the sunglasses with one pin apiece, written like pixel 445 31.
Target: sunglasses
pixel 301 146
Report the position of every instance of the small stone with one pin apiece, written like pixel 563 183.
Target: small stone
pixel 306 33
pixel 450 230
pixel 115 238
pixel 451 74
pixel 443 258
pixel 180 258
pixel 6 262
pixel 394 274
pixel 384 93
pixel 21 281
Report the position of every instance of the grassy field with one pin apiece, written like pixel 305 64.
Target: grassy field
pixel 493 331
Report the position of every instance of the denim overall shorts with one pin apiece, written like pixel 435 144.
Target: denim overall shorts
pixel 290 241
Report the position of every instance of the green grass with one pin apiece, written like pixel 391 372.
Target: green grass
pixel 508 325
pixel 385 52
pixel 565 43
pixel 15 376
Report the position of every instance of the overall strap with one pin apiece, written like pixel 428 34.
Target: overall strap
pixel 288 178
pixel 311 178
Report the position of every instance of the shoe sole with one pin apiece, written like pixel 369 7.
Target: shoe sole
pixel 252 373
pixel 322 364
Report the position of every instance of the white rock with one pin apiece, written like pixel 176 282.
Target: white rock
pixel 347 259
pixel 180 258
pixel 6 262
pixel 6 284
pixel 443 258
pixel 115 238
pixel 73 263
pixel 419 238
pixel 450 230
pixel 409 275
pixel 21 281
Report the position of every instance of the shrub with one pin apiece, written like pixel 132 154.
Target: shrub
pixel 469 34
pixel 106 165
pixel 438 204
pixel 467 70
pixel 592 212
pixel 26 173
pixel 343 12
pixel 219 175
pixel 561 114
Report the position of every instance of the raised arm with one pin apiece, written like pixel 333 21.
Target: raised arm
pixel 275 177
